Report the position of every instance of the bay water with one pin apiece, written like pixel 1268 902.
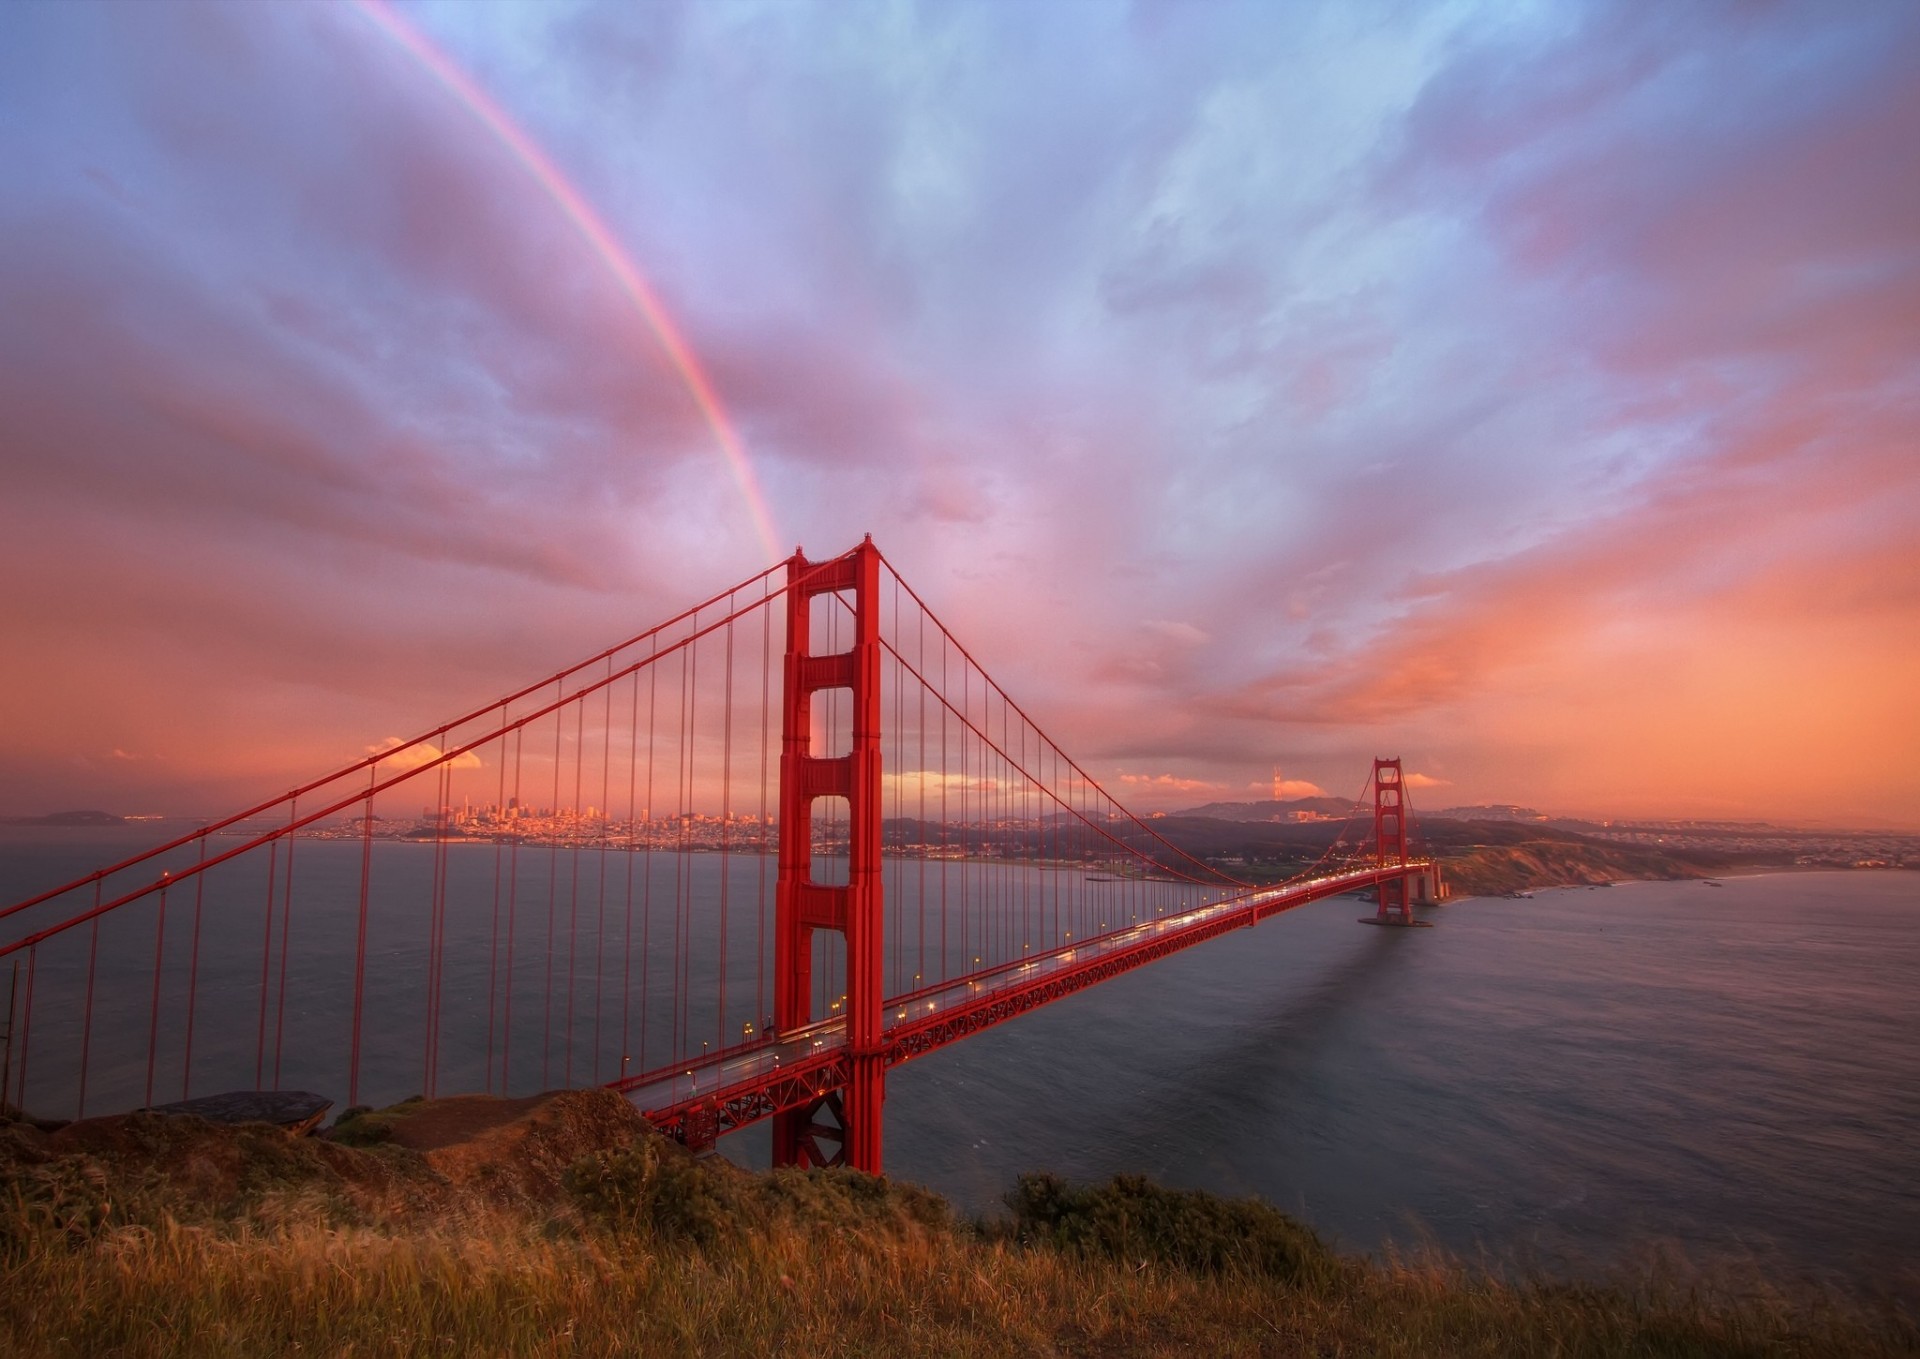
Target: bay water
pixel 1728 1074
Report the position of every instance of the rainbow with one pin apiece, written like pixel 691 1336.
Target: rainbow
pixel 601 239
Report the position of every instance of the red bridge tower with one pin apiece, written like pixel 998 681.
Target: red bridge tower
pixel 803 906
pixel 1390 844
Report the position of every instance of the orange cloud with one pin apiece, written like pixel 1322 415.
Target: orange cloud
pixel 1168 783
pixel 1289 788
pixel 1734 645
pixel 419 755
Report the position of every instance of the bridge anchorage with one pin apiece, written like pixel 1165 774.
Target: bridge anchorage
pixel 628 875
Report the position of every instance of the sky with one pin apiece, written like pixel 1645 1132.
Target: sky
pixel 1531 391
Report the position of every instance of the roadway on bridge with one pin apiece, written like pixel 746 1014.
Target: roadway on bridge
pixel 818 1047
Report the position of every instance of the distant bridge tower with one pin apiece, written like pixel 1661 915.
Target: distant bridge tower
pixel 1390 842
pixel 802 906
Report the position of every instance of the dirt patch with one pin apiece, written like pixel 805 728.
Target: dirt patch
pixel 519 1149
pixel 433 1124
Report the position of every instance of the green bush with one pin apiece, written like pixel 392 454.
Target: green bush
pixel 672 1196
pixel 363 1126
pixel 613 1187
pixel 850 1199
pixel 658 1189
pixel 692 1201
pixel 1132 1219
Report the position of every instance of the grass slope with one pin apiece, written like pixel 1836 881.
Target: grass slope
pixel 575 1231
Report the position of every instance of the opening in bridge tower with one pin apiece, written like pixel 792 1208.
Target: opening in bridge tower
pixel 802 906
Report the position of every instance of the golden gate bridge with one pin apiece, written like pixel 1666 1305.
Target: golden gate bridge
pixel 629 874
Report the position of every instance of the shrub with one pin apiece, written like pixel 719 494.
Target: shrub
pixel 362 1126
pixel 658 1189
pixel 1132 1219
pixel 851 1199
pixel 672 1196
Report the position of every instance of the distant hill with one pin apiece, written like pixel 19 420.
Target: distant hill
pixel 1480 856
pixel 1495 812
pixel 65 819
pixel 1269 810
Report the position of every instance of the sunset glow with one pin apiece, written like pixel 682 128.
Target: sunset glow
pixel 1533 395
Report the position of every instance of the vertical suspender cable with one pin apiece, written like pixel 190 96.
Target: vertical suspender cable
pixel 573 824
pixel 193 974
pixel 633 832
pixel 26 1027
pixel 360 945
pixel 603 831
pixel 286 932
pixel 726 821
pixel 551 820
pixel 493 929
pixel 946 864
pixel 920 778
pixel 153 1012
pixel 433 911
pixel 680 864
pixel 436 930
pixel 266 965
pixel 760 1011
pixel 6 1058
pixel 968 916
pixel 646 869
pixel 513 901
pixel 899 792
pixel 86 1023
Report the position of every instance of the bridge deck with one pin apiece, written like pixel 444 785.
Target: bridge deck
pixel 756 1080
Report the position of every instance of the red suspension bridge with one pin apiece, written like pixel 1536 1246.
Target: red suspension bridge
pixel 627 874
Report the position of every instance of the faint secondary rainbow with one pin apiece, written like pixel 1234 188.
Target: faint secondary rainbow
pixel 597 235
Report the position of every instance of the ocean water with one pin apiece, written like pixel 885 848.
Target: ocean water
pixel 1725 1073
pixel 1730 1073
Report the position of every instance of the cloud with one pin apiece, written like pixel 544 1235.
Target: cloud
pixel 1167 783
pixel 1289 788
pixel 419 755
pixel 1417 780
pixel 1186 634
pixel 934 783
pixel 1544 394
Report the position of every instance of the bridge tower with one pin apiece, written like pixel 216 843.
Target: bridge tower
pixel 1390 841
pixel 802 906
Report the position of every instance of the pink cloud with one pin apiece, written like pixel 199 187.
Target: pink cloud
pixel 1568 358
pixel 1158 783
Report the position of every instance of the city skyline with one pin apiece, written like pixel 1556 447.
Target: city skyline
pixel 1530 393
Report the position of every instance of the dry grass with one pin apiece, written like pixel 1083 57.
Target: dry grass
pixel 644 1252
